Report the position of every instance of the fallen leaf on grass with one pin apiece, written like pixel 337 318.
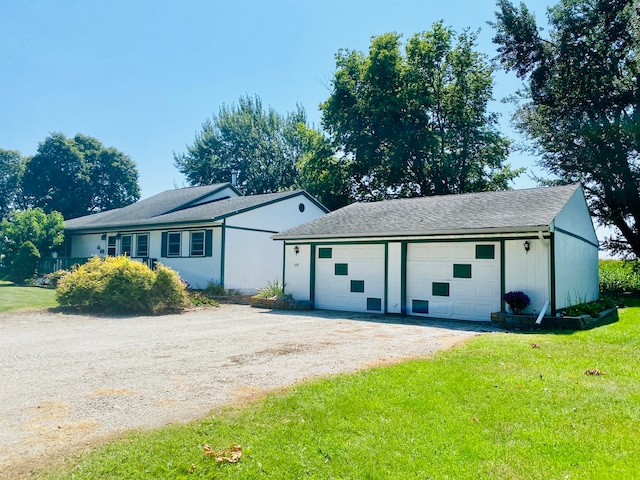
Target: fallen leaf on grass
pixel 192 468
pixel 232 455
pixel 593 371
pixel 535 345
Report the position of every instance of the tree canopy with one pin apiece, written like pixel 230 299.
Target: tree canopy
pixel 415 122
pixel 262 147
pixel 321 172
pixel 77 176
pixel 581 105
pixel 11 171
pixel 27 231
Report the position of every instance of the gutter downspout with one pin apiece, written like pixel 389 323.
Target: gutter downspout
pixel 542 312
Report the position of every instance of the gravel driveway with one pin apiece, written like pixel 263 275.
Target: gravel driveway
pixel 69 382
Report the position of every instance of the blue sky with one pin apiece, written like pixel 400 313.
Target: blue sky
pixel 142 75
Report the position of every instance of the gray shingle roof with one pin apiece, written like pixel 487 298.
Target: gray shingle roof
pixel 172 206
pixel 454 214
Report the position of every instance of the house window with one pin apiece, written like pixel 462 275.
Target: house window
pixel 342 269
pixel 324 253
pixel 440 289
pixel 486 252
pixel 173 244
pixel 374 304
pixel 142 245
pixel 461 270
pixel 357 286
pixel 197 244
pixel 125 245
pixel 420 306
pixel 111 246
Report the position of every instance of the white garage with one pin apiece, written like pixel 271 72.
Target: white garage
pixel 350 278
pixel 447 256
pixel 459 280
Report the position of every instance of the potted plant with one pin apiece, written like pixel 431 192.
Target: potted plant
pixel 517 301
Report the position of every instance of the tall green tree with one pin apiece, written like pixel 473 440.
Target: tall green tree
pixel 11 171
pixel 78 176
pixel 321 172
pixel 262 147
pixel 414 121
pixel 44 231
pixel 581 105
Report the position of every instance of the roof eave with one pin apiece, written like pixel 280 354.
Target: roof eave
pixel 436 233
pixel 138 226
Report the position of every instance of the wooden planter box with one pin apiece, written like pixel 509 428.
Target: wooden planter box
pixel 279 304
pixel 527 322
pixel 233 299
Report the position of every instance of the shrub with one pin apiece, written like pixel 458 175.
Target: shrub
pixel 619 276
pixel 214 289
pixel 517 301
pixel 25 263
pixel 274 290
pixel 168 291
pixel 200 299
pixel 119 284
pixel 51 279
pixel 593 309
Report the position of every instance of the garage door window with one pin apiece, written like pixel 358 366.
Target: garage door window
pixel 374 304
pixel 357 286
pixel 440 289
pixel 420 306
pixel 485 252
pixel 461 270
pixel 342 269
pixel 324 253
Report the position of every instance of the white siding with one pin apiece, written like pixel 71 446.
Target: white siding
pixel 198 271
pixel 575 218
pixel 576 271
pixel 528 272
pixel 473 298
pixel 298 271
pixel 394 278
pixel 83 246
pixel 576 259
pixel 278 216
pixel 251 260
pixel 365 263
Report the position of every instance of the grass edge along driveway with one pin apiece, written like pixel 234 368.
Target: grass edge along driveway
pixel 14 297
pixel 501 406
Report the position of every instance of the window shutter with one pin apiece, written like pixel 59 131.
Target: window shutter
pixel 208 243
pixel 163 248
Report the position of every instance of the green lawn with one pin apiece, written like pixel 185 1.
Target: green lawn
pixel 13 297
pixel 502 406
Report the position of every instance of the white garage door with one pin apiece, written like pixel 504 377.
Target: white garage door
pixel 350 278
pixel 453 280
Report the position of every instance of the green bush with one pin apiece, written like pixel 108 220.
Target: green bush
pixel 119 284
pixel 200 299
pixel 619 276
pixel 214 289
pixel 25 263
pixel 274 290
pixel 168 292
pixel 51 279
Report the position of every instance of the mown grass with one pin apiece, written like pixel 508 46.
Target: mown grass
pixel 502 406
pixel 13 297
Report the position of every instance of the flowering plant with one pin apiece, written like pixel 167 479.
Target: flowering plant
pixel 517 301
